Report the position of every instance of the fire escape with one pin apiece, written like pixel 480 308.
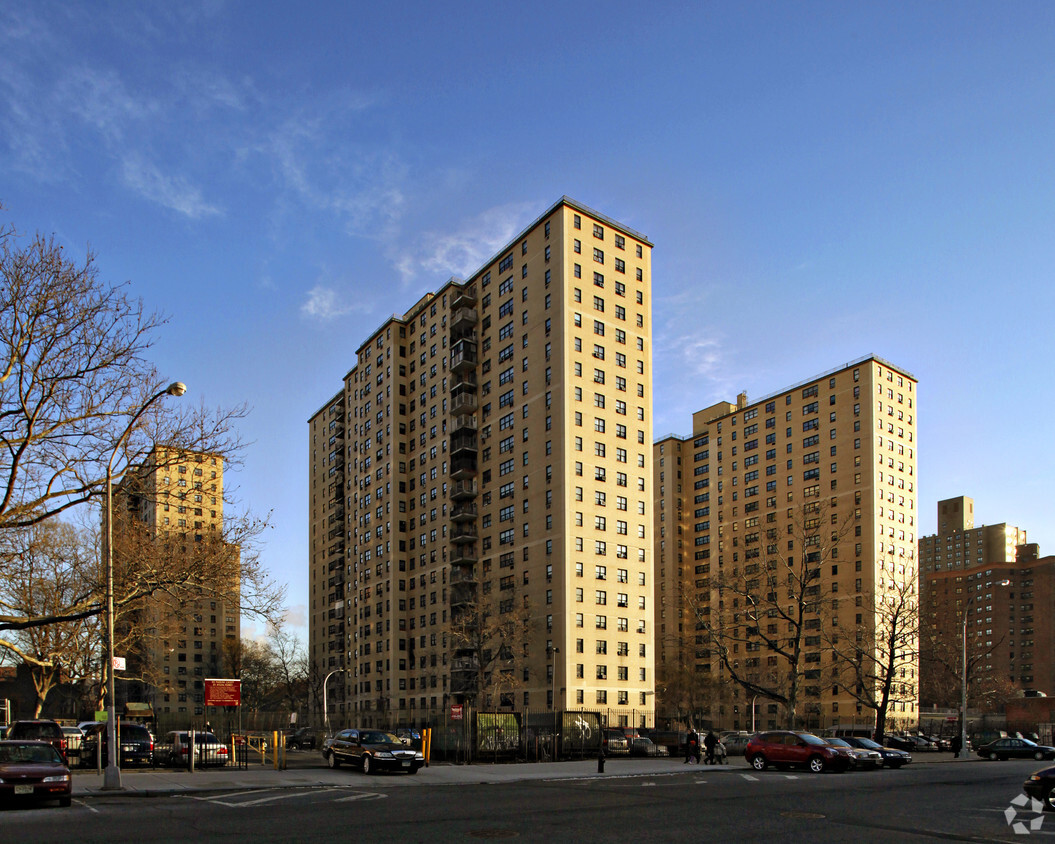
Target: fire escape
pixel 463 491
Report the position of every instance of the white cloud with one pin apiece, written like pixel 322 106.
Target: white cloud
pixel 360 185
pixel 324 304
pixel 464 250
pixel 174 193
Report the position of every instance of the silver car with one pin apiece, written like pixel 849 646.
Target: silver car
pixel 174 749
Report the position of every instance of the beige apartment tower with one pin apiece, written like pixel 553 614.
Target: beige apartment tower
pixel 481 520
pixel 817 479
pixel 170 507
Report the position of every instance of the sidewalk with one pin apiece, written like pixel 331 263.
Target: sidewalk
pixel 166 782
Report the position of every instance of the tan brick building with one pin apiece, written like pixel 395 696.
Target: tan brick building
pixel 173 501
pixel 485 462
pixel 823 473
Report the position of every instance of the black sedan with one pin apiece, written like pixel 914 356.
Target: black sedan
pixel 371 750
pixel 1015 748
pixel 892 758
pixel 1041 785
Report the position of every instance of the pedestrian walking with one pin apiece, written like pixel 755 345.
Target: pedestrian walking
pixel 709 742
pixel 692 747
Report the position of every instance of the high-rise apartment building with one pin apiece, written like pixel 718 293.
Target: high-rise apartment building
pixel 815 484
pixel 481 528
pixel 169 513
pixel 991 577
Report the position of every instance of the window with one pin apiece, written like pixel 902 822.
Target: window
pixel 598 255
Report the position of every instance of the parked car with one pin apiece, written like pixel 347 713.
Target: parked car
pixel 174 750
pixel 74 740
pixel 644 746
pixel 615 743
pixel 371 750
pixel 301 739
pixel 864 758
pixel 39 730
pixel 1015 748
pixel 1041 785
pixel 137 745
pixel 892 758
pixel 34 770
pixel 782 748
pixel 905 743
pixel 735 741
pixel 937 742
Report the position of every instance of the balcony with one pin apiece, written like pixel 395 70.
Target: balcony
pixel 463 318
pixel 463 512
pixel 462 490
pixel 465 379
pixel 464 298
pixel 465 444
pixel 464 555
pixel 462 594
pixel 464 532
pixel 465 422
pixel 463 574
pixel 464 469
pixel 463 403
pixel 463 355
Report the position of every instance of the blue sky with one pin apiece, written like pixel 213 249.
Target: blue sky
pixel 821 181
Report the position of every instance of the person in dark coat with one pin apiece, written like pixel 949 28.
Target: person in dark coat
pixel 709 742
pixel 692 747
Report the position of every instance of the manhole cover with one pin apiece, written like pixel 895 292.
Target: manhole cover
pixel 492 833
pixel 809 816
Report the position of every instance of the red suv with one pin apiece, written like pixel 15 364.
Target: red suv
pixel 781 748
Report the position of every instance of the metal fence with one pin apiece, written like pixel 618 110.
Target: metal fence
pixel 469 735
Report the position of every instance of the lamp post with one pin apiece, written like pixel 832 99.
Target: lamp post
pixel 753 713
pixel 554 684
pixel 325 708
pixel 964 752
pixel 112 775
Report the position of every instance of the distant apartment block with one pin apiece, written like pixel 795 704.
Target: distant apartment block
pixel 1010 626
pixel 487 458
pixel 828 462
pixel 171 505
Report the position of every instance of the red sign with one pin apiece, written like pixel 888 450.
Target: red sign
pixel 223 692
pixel 456 712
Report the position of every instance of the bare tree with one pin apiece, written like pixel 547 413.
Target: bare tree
pixel 768 607
pixel 683 690
pixel 47 567
pixel 878 666
pixel 259 674
pixel 941 670
pixel 291 661
pixel 74 378
pixel 488 643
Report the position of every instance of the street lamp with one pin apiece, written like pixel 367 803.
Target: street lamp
pixel 964 752
pixel 555 651
pixel 753 714
pixel 325 708
pixel 112 776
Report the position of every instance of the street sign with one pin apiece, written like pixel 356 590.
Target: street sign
pixel 223 692
pixel 456 712
pixel 119 663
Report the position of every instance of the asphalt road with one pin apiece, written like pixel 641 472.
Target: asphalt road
pixel 953 802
